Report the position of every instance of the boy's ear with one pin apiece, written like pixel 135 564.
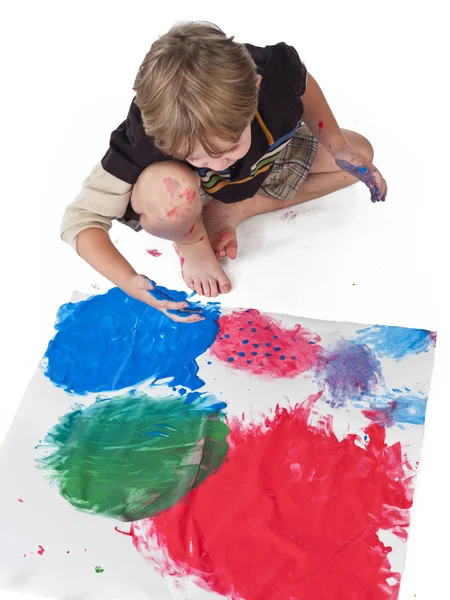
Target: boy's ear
pixel 258 81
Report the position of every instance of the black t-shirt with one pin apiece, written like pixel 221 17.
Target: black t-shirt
pixel 279 115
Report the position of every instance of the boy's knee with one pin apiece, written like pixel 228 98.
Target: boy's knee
pixel 166 195
pixel 366 148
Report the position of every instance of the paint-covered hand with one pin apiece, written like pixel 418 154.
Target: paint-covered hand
pixel 140 287
pixel 356 164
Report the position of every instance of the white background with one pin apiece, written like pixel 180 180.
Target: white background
pixel 67 72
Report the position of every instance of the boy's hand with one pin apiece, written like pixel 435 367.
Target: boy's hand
pixel 356 164
pixel 139 287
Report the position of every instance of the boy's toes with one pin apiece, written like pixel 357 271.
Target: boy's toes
pixel 224 284
pixel 198 287
pixel 206 288
pixel 213 288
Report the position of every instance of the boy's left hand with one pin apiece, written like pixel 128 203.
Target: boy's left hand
pixel 356 164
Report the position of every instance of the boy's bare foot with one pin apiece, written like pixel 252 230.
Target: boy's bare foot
pixel 221 221
pixel 201 270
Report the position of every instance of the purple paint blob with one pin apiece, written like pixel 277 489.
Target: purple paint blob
pixel 363 174
pixel 348 372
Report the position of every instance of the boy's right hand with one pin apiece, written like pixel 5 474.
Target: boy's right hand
pixel 139 287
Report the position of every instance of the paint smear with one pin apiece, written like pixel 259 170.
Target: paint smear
pixel 348 371
pixel 40 550
pixel 154 252
pixel 292 513
pixel 133 456
pixel 188 195
pixel 397 342
pixel 320 126
pixel 397 407
pixel 171 185
pixel 20 500
pixel 99 570
pixel 257 343
pixel 112 341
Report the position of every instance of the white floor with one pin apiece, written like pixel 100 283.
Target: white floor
pixel 68 73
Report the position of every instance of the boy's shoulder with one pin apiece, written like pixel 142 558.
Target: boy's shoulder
pixel 283 73
pixel 274 57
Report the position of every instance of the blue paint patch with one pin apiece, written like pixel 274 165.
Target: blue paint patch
pixel 395 342
pixel 397 407
pixel 112 341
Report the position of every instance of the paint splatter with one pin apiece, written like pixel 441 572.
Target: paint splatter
pixel 154 252
pixel 290 216
pixel 20 500
pixel 133 456
pixel 189 232
pixel 40 550
pixel 292 513
pixel 112 341
pixel 348 371
pixel 95 286
pixel 259 344
pixel 99 570
pixel 122 532
pixel 397 407
pixel 320 126
pixel 396 342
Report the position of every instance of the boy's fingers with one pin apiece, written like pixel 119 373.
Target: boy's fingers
pixel 179 318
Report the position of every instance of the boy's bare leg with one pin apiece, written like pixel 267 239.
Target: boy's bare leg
pixel 166 196
pixel 325 177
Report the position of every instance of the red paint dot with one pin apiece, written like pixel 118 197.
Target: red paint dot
pixel 154 252
pixel 294 512
pixel 320 126
pixel 20 500
pixel 41 550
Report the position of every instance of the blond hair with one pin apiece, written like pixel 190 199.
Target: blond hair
pixel 194 83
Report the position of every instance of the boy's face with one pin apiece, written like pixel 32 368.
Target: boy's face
pixel 230 154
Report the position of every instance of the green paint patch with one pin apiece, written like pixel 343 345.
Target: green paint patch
pixel 133 456
pixel 99 570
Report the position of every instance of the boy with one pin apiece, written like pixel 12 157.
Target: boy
pixel 218 132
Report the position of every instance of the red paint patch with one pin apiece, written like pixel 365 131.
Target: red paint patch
pixel 20 500
pixel 172 212
pixel 320 126
pixel 201 239
pixel 154 253
pixel 291 513
pixel 257 343
pixel 41 550
pixel 189 195
pixel 182 261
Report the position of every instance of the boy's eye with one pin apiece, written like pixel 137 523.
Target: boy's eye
pixel 233 149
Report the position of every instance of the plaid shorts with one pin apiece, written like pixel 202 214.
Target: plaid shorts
pixel 291 168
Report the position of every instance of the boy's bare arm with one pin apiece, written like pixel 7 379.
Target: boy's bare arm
pixel 322 123
pixel 85 226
